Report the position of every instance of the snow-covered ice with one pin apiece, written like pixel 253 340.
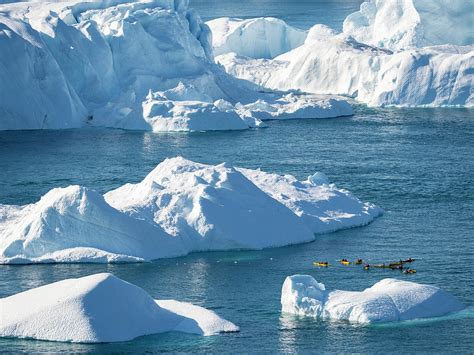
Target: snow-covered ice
pixel 100 308
pixel 322 206
pixel 263 37
pixel 75 224
pixel 331 63
pixel 210 207
pixel 412 23
pixel 388 300
pixel 179 207
pixel 144 65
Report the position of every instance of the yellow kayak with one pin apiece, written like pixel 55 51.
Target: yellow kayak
pixel 345 262
pixel 321 263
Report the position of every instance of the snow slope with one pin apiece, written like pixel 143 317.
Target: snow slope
pixel 180 207
pixel 144 65
pixel 400 24
pixel 320 205
pixel 211 207
pixel 263 37
pixel 331 63
pixel 388 300
pixel 75 224
pixel 100 308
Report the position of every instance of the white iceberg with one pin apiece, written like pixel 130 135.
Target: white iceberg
pixel 180 207
pixel 388 300
pixel 331 63
pixel 412 23
pixel 100 308
pixel 75 224
pixel 144 65
pixel 263 37
pixel 320 205
pixel 210 207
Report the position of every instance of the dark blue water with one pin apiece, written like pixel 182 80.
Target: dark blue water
pixel 416 164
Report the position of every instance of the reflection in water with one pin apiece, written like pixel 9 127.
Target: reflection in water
pixel 287 333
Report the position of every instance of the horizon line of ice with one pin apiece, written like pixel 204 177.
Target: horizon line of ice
pixel 180 207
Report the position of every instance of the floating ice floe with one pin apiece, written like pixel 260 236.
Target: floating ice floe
pixel 180 207
pixel 263 37
pixel 412 23
pixel 100 308
pixel 388 300
pixel 331 63
pixel 144 65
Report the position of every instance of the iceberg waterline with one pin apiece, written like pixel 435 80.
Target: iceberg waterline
pixel 100 308
pixel 180 207
pixel 397 69
pixel 389 300
pixel 144 65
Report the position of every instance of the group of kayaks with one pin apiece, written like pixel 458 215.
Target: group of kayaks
pixel 397 265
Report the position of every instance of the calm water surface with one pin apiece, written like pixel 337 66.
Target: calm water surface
pixel 416 164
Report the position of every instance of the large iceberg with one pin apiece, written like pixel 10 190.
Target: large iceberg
pixel 100 308
pixel 412 23
pixel 180 207
pixel 263 37
pixel 144 65
pixel 331 63
pixel 388 300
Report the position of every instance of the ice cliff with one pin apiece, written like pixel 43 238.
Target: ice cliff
pixel 144 65
pixel 391 53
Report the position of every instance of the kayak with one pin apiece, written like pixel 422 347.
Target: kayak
pixel 321 263
pixel 359 261
pixel 345 262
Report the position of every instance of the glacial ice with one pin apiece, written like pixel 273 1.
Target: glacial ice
pixel 144 65
pixel 331 63
pixel 263 37
pixel 179 207
pixel 389 300
pixel 405 24
pixel 100 308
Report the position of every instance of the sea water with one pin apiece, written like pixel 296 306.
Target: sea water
pixel 417 164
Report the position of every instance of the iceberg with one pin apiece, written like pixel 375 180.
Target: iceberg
pixel 180 207
pixel 75 224
pixel 320 205
pixel 263 37
pixel 144 65
pixel 211 207
pixel 332 63
pixel 100 308
pixel 389 300
pixel 405 24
